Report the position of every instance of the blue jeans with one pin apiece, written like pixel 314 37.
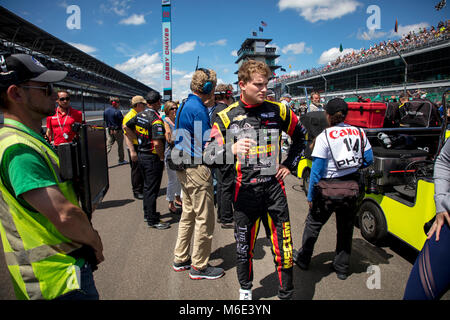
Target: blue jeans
pixel 430 275
pixel 88 291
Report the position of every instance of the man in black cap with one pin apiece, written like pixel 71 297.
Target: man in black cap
pixel 41 223
pixel 148 127
pixel 339 151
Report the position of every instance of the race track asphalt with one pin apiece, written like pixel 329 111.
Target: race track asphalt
pixel 138 259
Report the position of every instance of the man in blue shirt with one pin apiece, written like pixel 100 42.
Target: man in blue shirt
pixel 191 133
pixel 113 118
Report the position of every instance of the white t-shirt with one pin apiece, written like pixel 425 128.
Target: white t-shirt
pixel 341 145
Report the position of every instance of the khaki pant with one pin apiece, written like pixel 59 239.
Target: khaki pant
pixel 197 217
pixel 113 136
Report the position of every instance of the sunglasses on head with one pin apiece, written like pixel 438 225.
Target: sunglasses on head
pixel 64 99
pixel 48 88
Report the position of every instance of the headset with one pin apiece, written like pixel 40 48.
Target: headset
pixel 208 86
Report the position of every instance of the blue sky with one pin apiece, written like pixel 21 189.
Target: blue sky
pixel 126 34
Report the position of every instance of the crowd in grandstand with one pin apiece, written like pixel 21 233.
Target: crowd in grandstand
pixel 412 40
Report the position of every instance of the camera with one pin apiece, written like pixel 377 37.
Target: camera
pixel 76 127
pixel 371 176
pixel 385 139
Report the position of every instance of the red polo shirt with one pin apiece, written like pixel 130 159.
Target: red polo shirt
pixel 61 123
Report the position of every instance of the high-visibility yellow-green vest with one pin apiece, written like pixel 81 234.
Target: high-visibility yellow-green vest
pixel 36 252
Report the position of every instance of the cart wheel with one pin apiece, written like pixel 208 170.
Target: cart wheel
pixel 372 222
pixel 305 180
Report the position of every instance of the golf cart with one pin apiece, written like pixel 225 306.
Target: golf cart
pixel 399 197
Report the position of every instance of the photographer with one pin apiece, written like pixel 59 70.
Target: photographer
pixel 60 125
pixel 339 152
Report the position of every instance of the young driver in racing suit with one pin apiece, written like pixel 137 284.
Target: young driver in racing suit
pixel 257 124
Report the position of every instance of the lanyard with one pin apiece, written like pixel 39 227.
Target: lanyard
pixel 65 135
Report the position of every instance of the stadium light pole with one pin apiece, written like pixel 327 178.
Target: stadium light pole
pixel 325 81
pixel 404 61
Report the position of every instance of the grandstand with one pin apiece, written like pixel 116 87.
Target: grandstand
pixel 379 72
pixel 89 81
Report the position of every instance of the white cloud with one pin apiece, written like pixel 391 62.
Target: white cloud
pixel 332 54
pixel 181 86
pixel 234 53
pixel 145 68
pixel 316 10
pixel 185 47
pixel 370 34
pixel 119 7
pixel 176 72
pixel 221 42
pixel 135 19
pixel 136 63
pixel 148 69
pixel 404 30
pixel 63 4
pixel 297 48
pixel 83 47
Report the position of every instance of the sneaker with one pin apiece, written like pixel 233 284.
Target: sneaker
pixel 159 225
pixel 182 266
pixel 138 196
pixel 209 273
pixel 123 162
pixel 245 294
pixel 302 265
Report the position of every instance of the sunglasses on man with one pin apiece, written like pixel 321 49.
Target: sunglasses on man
pixel 48 88
pixel 64 99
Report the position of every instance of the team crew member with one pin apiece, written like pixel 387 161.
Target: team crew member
pixel 338 153
pixel 257 125
pixel 113 119
pixel 59 126
pixel 41 225
pixel 148 128
pixel 138 104
pixel 225 173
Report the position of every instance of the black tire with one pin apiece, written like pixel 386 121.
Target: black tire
pixel 372 223
pixel 305 180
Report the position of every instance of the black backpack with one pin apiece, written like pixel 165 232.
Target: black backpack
pixel 419 113
pixel 392 115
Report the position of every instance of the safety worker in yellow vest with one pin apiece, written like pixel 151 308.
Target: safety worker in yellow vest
pixel 46 236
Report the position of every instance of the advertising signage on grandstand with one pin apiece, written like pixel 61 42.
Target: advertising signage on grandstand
pixel 167 49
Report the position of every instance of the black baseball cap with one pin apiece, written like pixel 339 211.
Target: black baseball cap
pixel 19 68
pixel 152 97
pixel 335 105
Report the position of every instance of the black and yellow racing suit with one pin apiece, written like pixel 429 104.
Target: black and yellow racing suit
pixel 258 194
